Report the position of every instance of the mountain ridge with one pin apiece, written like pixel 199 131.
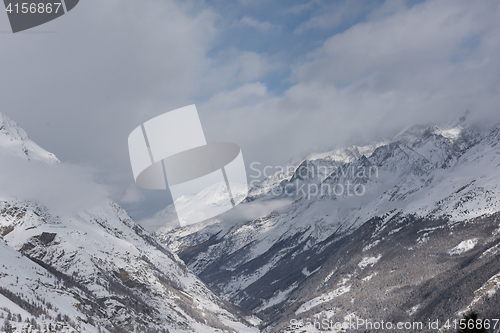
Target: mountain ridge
pixel 16 142
pixel 101 270
pixel 439 176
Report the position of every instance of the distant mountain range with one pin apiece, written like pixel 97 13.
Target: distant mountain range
pixel 400 230
pixel 405 229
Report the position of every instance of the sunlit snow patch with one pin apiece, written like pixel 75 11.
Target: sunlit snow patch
pixel 369 261
pixel 322 299
pixel 464 246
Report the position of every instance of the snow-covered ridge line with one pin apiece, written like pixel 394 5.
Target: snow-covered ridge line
pixel 437 176
pixel 92 268
pixel 16 142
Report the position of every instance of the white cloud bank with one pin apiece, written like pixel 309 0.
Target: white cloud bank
pixel 113 65
pixel 429 63
pixel 62 188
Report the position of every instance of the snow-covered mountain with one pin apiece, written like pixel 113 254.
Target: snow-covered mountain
pixel 213 197
pixel 94 269
pixel 16 142
pixel 402 229
pixel 406 229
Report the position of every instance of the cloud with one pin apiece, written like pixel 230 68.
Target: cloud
pixel 233 67
pixel 330 14
pixel 248 21
pixel 424 36
pixel 356 72
pixel 407 64
pixel 65 189
pixel 108 67
pixel 397 69
pixel 132 195
pixel 251 2
pixel 244 95
pixel 302 7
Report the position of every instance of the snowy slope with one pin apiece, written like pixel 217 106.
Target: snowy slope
pixel 134 278
pixel 16 142
pixel 35 285
pixel 96 267
pixel 446 174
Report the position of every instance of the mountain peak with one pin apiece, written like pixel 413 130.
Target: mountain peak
pixel 14 141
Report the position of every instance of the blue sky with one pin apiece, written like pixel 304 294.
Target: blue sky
pixel 275 77
pixel 284 30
